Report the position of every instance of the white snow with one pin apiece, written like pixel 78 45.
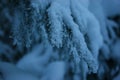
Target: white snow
pixel 35 61
pixel 111 7
pixel 55 71
pixel 11 72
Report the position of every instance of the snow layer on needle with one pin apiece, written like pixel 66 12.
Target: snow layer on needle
pixel 111 7
pixel 96 9
pixel 88 25
pixel 55 71
pixel 60 18
pixel 78 39
pixel 55 28
pixel 11 72
pixel 35 61
pixel 85 3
